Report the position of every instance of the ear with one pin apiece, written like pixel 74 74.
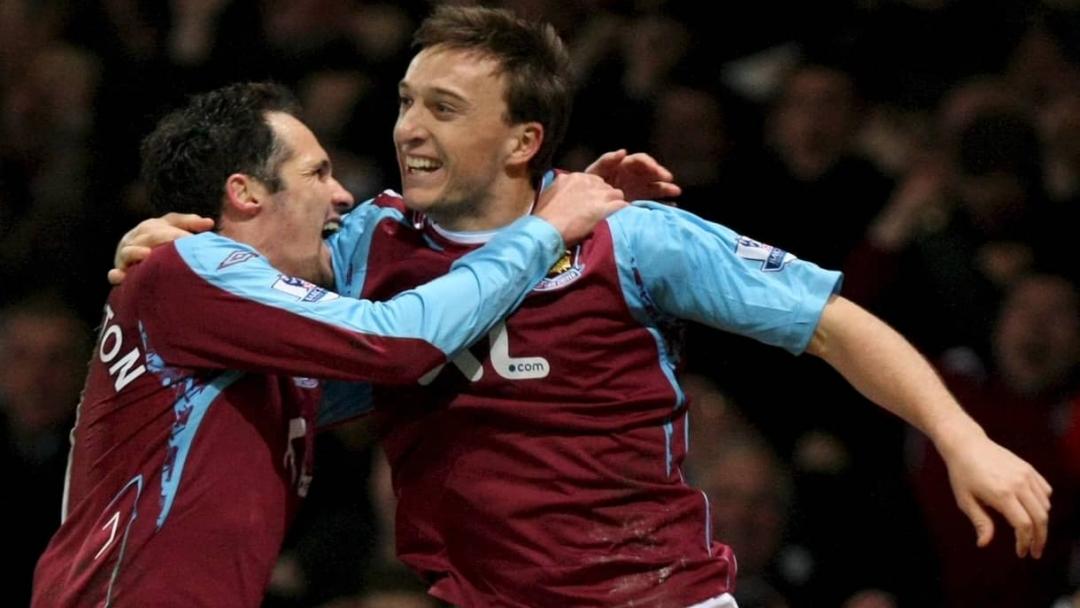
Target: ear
pixel 525 143
pixel 244 195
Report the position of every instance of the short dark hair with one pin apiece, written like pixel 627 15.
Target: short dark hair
pixel 193 150
pixel 530 55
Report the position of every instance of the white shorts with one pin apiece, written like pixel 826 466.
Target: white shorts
pixel 720 601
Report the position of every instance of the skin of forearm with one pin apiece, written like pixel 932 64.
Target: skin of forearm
pixel 886 369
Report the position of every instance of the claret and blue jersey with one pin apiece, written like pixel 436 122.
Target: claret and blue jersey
pixel 193 441
pixel 541 466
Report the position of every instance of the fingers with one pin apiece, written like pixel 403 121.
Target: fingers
pixel 984 526
pixel 1030 522
pixel 167 228
pixel 137 243
pixel 642 178
pixel 152 233
pixel 607 163
pixel 643 164
pixel 1041 490
pixel 126 257
pixel 130 255
pixel 1037 516
pixel 658 190
pixel 188 222
pixel 1025 513
pixel 990 476
pixel 576 202
pixel 1022 524
pixel 1045 485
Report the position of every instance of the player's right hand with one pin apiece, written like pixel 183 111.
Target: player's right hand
pixel 576 202
pixel 154 232
pixel 985 474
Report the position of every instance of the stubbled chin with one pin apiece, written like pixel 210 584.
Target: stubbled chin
pixel 418 198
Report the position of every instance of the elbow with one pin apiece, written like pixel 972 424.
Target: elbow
pixel 383 360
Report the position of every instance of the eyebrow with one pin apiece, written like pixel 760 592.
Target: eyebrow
pixel 404 87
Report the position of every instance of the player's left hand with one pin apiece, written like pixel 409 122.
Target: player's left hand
pixel 983 473
pixel 638 175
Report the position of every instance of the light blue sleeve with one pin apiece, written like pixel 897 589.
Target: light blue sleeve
pixel 349 246
pixel 448 313
pixel 673 263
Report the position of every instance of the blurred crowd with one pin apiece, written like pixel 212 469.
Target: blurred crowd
pixel 928 148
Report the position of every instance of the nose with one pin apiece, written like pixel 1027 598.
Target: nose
pixel 341 198
pixel 409 127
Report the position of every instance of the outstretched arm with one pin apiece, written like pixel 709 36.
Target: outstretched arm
pixel 886 369
pixel 704 272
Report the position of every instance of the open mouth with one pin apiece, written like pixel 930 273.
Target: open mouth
pixel 330 227
pixel 420 165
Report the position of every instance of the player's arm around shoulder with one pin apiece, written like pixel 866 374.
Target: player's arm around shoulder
pixel 219 304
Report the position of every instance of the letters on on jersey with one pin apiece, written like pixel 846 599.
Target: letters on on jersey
pixel 122 369
pixel 511 368
pixel 772 259
pixel 514 368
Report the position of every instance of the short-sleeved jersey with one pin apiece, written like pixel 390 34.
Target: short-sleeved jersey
pixel 541 467
pixel 193 441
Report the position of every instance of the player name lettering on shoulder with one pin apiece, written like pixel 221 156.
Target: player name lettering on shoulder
pixel 123 371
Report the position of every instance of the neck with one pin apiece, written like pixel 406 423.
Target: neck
pixel 503 203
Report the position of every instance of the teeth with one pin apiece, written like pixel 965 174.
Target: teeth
pixel 416 163
pixel 331 227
